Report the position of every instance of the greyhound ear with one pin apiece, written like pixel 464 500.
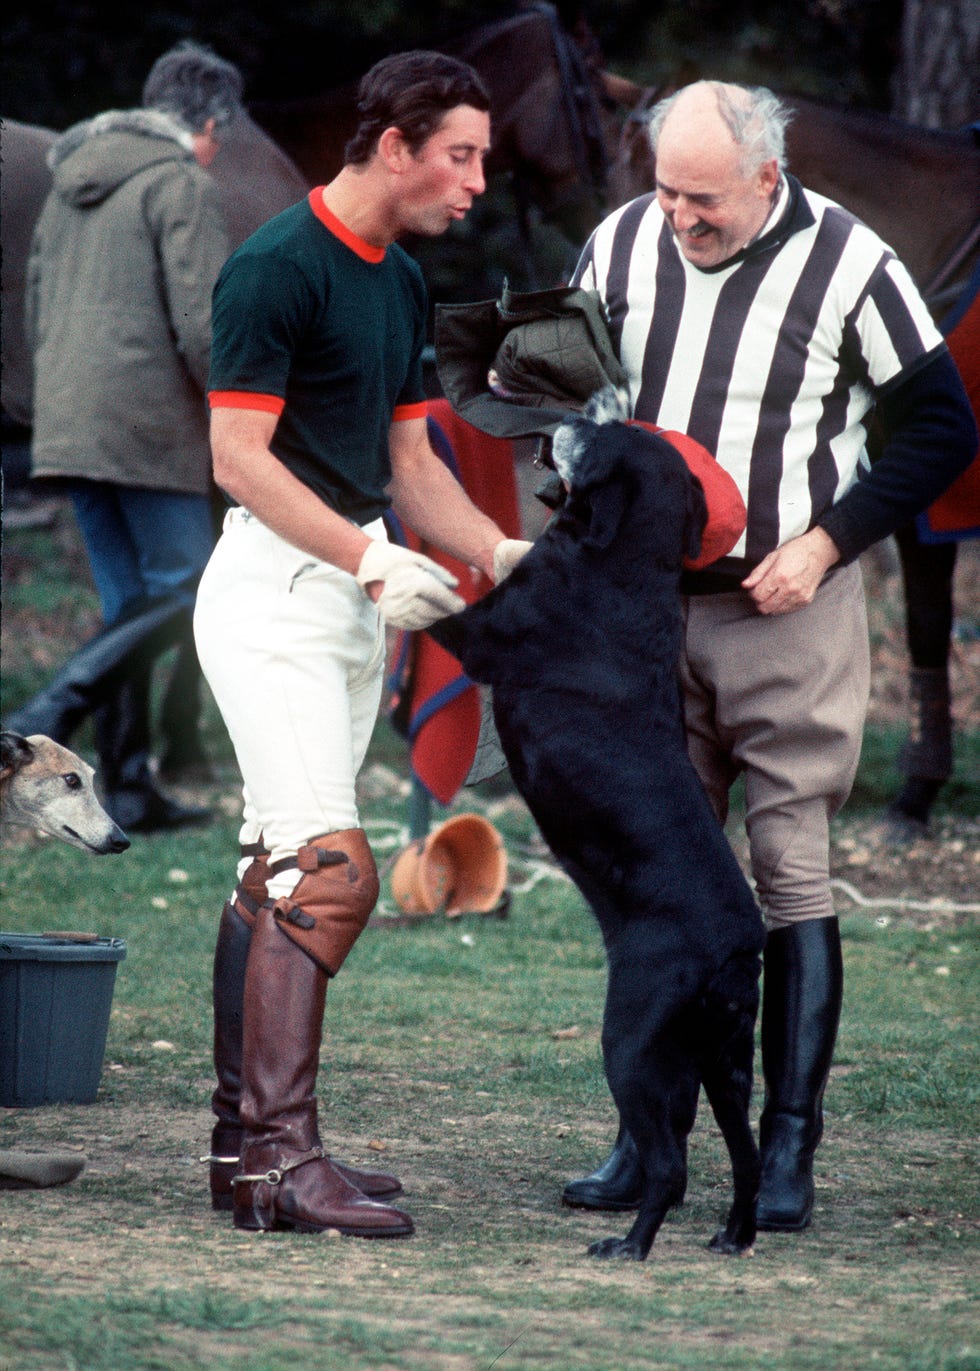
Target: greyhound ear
pixel 697 517
pixel 607 505
pixel 15 752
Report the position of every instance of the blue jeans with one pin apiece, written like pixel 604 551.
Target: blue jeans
pixel 141 544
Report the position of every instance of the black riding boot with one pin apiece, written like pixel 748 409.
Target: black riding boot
pixel 926 759
pixel 130 793
pixel 803 984
pixel 616 1184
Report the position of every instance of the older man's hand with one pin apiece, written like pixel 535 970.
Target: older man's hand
pixel 788 578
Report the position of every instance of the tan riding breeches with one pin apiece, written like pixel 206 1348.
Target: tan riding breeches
pixel 780 699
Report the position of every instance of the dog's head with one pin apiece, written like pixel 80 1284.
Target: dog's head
pixel 615 472
pixel 48 788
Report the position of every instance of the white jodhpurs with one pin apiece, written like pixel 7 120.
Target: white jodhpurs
pixel 294 653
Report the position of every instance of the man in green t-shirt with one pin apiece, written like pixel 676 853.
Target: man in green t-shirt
pixel 318 425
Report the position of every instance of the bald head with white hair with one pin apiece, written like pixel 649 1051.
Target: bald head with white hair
pixel 720 152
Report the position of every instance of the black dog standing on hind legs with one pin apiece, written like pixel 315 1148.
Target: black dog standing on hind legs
pixel 580 645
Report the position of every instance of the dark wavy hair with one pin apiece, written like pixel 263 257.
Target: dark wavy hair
pixel 193 84
pixel 411 91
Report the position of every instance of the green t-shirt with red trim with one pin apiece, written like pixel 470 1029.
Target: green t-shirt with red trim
pixel 313 324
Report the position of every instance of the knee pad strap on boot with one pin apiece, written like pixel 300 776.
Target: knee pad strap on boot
pixel 333 899
pixel 251 890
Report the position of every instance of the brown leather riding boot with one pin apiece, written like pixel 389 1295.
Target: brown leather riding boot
pixel 286 1180
pixel 230 958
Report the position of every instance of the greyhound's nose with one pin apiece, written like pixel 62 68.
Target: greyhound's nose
pixel 119 844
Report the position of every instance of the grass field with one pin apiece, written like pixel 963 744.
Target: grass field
pixel 465 1056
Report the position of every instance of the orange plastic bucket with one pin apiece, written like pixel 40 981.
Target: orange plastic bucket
pixel 461 867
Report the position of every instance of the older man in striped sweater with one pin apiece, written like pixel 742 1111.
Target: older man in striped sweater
pixel 767 322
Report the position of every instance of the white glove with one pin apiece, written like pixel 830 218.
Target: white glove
pixel 416 590
pixel 506 555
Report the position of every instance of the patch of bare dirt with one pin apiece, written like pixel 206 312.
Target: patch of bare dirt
pixel 136 1227
pixel 933 881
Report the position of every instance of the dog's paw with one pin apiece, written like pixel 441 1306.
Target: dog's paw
pixel 622 1249
pixel 727 1246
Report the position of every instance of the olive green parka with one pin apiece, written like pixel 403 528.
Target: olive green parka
pixel 118 310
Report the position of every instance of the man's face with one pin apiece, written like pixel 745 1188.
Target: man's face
pixel 441 181
pixel 713 207
pixel 205 145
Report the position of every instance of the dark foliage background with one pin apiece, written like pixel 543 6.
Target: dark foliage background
pixel 66 59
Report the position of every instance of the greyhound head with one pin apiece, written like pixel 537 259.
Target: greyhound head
pixel 46 787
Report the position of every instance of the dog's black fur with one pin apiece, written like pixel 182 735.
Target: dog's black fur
pixel 580 645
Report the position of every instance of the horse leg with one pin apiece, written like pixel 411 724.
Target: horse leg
pixel 926 759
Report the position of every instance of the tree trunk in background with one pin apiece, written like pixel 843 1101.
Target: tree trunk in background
pixel 936 82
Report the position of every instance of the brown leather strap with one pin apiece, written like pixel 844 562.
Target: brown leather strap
pixel 244 904
pixel 275 1174
pixel 310 858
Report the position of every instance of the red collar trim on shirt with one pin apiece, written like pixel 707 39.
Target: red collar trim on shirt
pixel 367 251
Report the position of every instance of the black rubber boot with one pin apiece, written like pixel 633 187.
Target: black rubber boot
pixel 182 753
pixel 803 984
pixel 617 1184
pixel 99 668
pixel 130 792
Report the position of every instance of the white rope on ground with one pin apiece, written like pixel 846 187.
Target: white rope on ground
pixel 386 834
pixel 395 835
pixel 537 872
pixel 936 906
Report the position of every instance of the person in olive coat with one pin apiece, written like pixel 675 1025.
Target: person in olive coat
pixel 123 261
